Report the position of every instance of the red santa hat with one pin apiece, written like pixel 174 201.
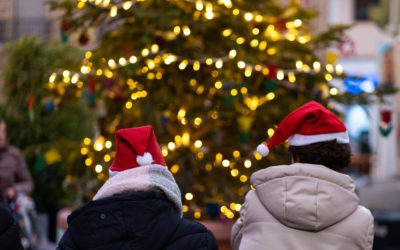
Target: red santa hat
pixel 136 147
pixel 311 123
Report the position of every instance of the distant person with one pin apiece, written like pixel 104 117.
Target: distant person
pixel 14 175
pixel 9 231
pixel 139 207
pixel 310 204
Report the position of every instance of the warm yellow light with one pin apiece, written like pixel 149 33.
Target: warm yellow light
pixel 235 12
pixel 257 156
pixel 154 48
pixel 171 146
pixel 339 69
pixel 289 25
pixel 107 157
pixel 209 7
pixel 164 151
pixel 255 31
pixel 198 144
pixel 238 207
pixel 175 168
pixel 299 65
pixel 241 64
pixel 126 5
pixel 80 5
pixel 297 23
pixel 169 59
pixel 218 84
pixel 88 161
pixel 209 61
pixel 108 73
pixel 150 64
pixel 186 30
pixel 333 91
pixel 227 32
pixel 243 90
pixel 88 54
pixel 183 64
pixel 177 30
pixel 291 77
pixel 317 66
pixel 248 16
pixel 192 82
pixel 258 18
pixel 84 151
pixel 280 75
pixel 186 139
pixel 328 77
pixel 218 157
pixel 181 113
pixel 111 63
pixel 243 178
pixel 52 78
pixel 209 15
pixel 133 59
pixel 290 37
pixel 196 65
pixel 232 54
pixel 226 163
pixel 189 196
pixel 247 163
pixel 236 154
pixel 199 5
pixel 234 92
pixel 270 96
pixel 234 172
pixel 98 146
pixel 303 39
pixel 329 68
pixel 145 52
pixel 185 208
pixel 113 11
pixel 208 167
pixel 108 144
pixel 271 51
pixel 240 40
pixel 86 141
pixel 219 64
pixel 98 168
pixel 262 45
pixel 66 73
pixel 248 71
pixel 198 121
pixel 197 215
pixel 254 43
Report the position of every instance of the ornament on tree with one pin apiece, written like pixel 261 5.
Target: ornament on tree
pixel 281 24
pixel 347 47
pixel 65 27
pixel 270 85
pixel 331 57
pixel 92 84
pixel 31 101
pixel 83 38
pixel 385 124
pixel 49 105
pixel 272 68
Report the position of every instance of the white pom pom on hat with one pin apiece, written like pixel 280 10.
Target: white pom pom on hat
pixel 262 149
pixel 310 123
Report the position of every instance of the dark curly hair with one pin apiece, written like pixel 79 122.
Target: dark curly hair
pixel 331 154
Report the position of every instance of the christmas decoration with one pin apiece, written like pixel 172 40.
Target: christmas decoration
pixel 211 77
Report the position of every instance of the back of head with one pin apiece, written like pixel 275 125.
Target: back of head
pixel 331 154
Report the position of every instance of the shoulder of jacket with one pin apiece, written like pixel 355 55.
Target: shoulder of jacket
pixel 13 151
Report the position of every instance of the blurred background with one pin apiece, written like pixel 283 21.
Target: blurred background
pixel 214 78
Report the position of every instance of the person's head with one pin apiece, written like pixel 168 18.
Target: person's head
pixel 136 147
pixel 3 133
pixel 331 154
pixel 315 135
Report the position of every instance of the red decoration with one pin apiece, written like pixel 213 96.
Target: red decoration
pixel 272 68
pixel 31 101
pixel 92 84
pixel 65 25
pixel 386 116
pixel 83 39
pixel 160 41
pixel 281 24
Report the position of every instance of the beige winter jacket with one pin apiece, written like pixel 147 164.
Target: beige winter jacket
pixel 302 206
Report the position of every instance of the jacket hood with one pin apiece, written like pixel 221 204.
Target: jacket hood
pixel 305 196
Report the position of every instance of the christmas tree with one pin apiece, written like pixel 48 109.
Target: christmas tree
pixel 46 119
pixel 214 78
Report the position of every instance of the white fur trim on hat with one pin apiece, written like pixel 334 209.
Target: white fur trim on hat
pixel 301 140
pixel 262 149
pixel 146 159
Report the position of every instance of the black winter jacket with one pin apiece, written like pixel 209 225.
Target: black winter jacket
pixel 141 220
pixel 9 232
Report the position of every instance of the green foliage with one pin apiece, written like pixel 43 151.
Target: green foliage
pixel 41 117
